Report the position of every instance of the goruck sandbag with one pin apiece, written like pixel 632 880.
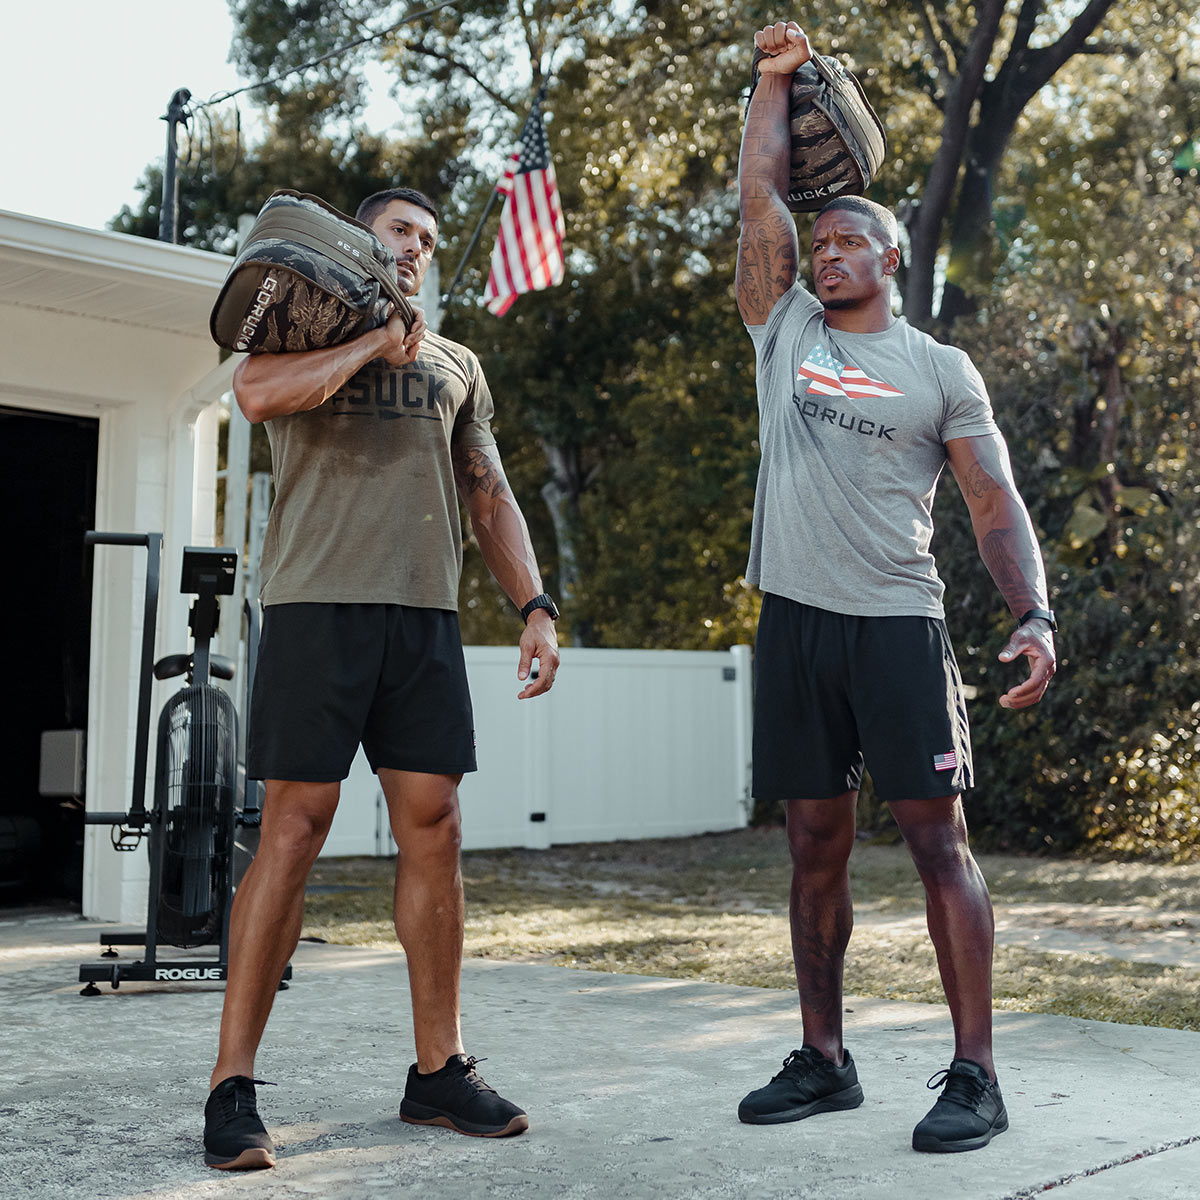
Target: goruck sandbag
pixel 837 139
pixel 307 277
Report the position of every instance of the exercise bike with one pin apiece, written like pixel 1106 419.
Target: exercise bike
pixel 202 826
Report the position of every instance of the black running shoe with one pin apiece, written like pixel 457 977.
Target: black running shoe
pixel 809 1083
pixel 968 1113
pixel 234 1136
pixel 457 1098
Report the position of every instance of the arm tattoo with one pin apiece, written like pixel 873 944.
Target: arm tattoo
pixel 768 249
pixel 1013 572
pixel 767 261
pixel 978 481
pixel 477 471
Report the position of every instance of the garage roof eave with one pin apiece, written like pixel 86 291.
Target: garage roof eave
pixel 107 276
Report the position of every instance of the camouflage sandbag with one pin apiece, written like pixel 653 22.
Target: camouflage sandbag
pixel 308 277
pixel 837 140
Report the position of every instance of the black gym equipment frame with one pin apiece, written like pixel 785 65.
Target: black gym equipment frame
pixel 194 823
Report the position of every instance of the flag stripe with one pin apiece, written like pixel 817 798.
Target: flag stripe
pixel 528 253
pixel 833 378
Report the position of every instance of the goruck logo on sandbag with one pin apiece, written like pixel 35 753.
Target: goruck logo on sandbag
pixel 265 294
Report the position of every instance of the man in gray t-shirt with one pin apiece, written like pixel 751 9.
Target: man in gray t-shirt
pixel 859 414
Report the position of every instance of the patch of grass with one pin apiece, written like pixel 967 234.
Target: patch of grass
pixel 714 908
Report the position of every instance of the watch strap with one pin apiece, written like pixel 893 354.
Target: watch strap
pixel 541 601
pixel 1040 614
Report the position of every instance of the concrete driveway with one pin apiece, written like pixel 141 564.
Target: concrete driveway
pixel 631 1083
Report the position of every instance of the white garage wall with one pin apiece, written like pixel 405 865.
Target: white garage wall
pixel 629 744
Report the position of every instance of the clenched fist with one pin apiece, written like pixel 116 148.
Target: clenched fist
pixel 786 45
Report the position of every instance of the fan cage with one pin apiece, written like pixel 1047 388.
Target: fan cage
pixel 198 744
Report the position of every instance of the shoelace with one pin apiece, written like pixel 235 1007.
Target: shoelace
pixel 804 1062
pixel 961 1088
pixel 473 1077
pixel 240 1098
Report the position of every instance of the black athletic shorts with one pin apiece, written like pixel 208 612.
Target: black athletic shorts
pixel 831 691
pixel 330 676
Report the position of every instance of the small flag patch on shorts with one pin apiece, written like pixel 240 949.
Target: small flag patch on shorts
pixel 945 762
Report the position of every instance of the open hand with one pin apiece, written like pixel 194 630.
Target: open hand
pixel 539 641
pixel 1036 642
pixel 787 45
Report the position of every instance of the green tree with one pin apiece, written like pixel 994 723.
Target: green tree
pixel 1040 157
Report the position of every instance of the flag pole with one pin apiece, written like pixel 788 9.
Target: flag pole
pixel 541 95
pixel 471 246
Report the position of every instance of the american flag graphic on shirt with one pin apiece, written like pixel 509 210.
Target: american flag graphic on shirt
pixel 828 376
pixel 945 762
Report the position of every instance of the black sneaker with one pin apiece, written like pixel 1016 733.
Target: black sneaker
pixel 968 1113
pixel 809 1083
pixel 457 1098
pixel 234 1136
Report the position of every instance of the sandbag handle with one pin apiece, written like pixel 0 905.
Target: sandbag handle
pixel 821 65
pixel 391 288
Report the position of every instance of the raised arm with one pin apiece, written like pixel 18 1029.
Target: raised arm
pixel 768 249
pixel 503 538
pixel 1009 549
pixel 273 385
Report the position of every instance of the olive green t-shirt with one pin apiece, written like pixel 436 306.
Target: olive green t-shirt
pixel 365 508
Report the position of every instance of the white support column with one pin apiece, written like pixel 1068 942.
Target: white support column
pixel 237 480
pixel 743 724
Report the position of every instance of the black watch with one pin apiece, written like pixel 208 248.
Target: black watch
pixel 1040 614
pixel 542 601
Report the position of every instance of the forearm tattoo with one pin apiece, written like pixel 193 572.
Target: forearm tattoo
pixel 767 260
pixel 477 471
pixel 768 249
pixel 1015 569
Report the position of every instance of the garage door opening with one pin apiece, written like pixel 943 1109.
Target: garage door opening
pixel 47 503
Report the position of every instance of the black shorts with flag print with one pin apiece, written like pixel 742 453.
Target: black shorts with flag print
pixel 833 691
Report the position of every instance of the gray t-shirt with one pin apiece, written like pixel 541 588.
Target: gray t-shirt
pixel 853 428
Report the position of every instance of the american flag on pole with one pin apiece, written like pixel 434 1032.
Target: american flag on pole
pixel 528 253
pixel 829 377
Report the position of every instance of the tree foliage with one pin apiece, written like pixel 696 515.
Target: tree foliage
pixel 1038 154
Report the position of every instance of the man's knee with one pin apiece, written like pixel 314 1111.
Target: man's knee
pixel 440 823
pixel 424 812
pixel 296 820
pixel 936 835
pixel 821 832
pixel 297 838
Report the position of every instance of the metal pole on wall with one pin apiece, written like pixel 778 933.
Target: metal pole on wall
pixel 168 212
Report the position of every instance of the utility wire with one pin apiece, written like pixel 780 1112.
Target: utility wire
pixel 326 57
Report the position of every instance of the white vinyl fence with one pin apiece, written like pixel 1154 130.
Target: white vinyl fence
pixel 629 744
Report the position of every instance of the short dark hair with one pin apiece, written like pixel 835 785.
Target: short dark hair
pixel 883 220
pixel 375 203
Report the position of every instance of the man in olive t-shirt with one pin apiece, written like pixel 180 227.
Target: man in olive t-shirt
pixel 373 442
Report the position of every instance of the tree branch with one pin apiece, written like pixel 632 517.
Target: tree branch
pixel 937 43
pixel 532 43
pixel 943 171
pixel 1038 67
pixel 1026 23
pixel 946 32
pixel 458 64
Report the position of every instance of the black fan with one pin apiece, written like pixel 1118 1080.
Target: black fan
pixel 197 746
